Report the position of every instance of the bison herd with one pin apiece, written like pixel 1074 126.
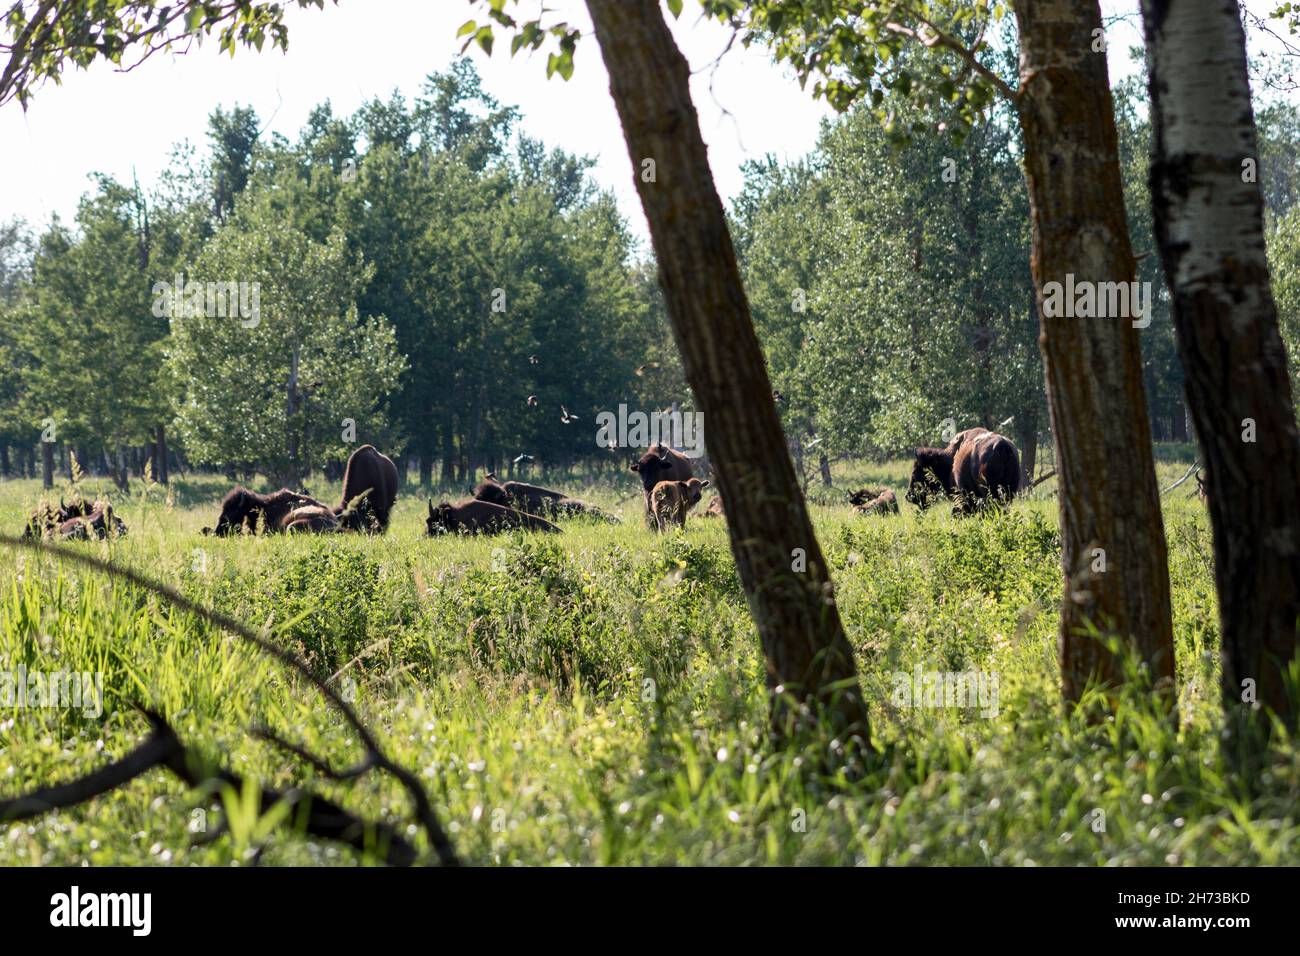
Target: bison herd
pixel 975 469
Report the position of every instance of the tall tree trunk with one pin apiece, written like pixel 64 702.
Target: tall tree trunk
pixel 1178 419
pixel 4 459
pixel 1209 219
pixel 781 567
pixel 826 471
pixel 1028 435
pixel 291 479
pixel 160 456
pixel 1113 540
pixel 47 464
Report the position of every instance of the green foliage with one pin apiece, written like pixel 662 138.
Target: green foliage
pixel 43 39
pixel 917 64
pixel 890 288
pixel 275 386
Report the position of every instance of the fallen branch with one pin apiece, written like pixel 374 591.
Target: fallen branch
pixel 1043 478
pixel 1196 466
pixel 319 817
pixel 375 757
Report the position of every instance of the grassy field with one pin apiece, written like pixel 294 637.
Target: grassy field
pixel 595 698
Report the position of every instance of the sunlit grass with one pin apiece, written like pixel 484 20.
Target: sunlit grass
pixel 597 698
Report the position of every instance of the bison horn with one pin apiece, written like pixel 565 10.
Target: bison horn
pixel 430 507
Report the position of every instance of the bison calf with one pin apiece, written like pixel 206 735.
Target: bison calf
pixel 879 502
pixel 671 500
pixel 660 463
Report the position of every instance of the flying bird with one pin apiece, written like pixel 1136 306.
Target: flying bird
pixel 566 417
pixel 641 369
pixel 532 360
pixel 523 459
pixel 532 401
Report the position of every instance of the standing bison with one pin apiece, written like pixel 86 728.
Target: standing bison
pixel 978 466
pixel 369 490
pixel 660 463
pixel 671 500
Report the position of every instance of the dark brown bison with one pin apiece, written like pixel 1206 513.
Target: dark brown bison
pixel 315 519
pixel 81 520
pixel 245 510
pixel 536 500
pixel 100 523
pixel 877 501
pixel 671 500
pixel 480 517
pixel 984 467
pixel 369 490
pixel 533 499
pixel 660 463
pixel 962 437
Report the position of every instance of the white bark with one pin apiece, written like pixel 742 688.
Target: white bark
pixel 1196 54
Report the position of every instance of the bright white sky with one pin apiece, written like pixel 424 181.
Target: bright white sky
pixel 116 123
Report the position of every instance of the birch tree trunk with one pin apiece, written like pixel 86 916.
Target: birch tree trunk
pixel 1113 541
pixel 786 581
pixel 1209 222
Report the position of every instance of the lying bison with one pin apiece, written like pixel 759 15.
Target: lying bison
pixel 79 521
pixel 480 517
pixel 878 501
pixel 671 500
pixel 246 510
pixel 97 525
pixel 983 467
pixel 715 509
pixel 369 490
pixel 536 500
pixel 315 519
pixel 660 463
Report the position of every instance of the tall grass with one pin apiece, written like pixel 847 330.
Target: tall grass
pixel 596 698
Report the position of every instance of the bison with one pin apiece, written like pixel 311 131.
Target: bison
pixel 962 437
pixel 715 508
pixel 533 499
pixel 671 500
pixel 310 518
pixel 244 509
pixel 480 517
pixel 660 463
pixel 879 501
pixel 98 524
pixel 983 467
pixel 369 490
pixel 79 520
